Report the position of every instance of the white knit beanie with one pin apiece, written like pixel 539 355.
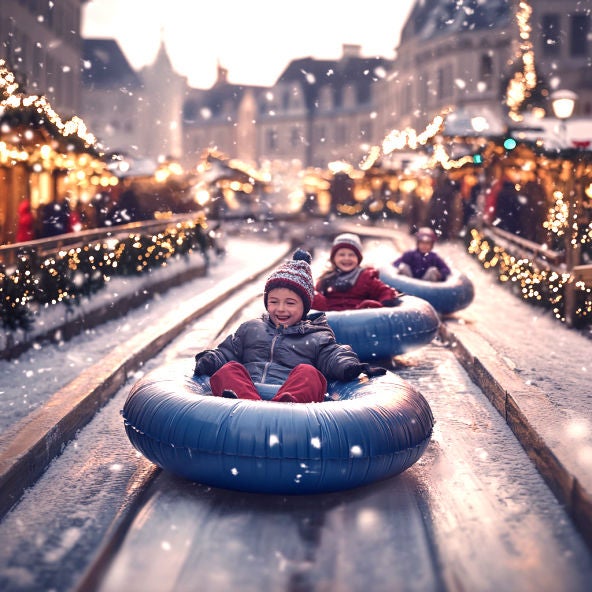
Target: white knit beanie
pixel 347 240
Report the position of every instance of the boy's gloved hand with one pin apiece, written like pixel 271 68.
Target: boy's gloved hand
pixel 203 366
pixel 371 371
pixel 391 302
pixel 354 371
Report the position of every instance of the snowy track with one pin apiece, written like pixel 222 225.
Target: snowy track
pixel 472 514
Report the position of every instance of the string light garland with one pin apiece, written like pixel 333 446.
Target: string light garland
pixel 79 272
pixel 525 79
pixel 11 99
pixel 542 287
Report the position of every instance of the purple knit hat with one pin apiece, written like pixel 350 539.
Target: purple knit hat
pixel 295 275
pixel 425 233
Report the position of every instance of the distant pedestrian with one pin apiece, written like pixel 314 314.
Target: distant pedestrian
pixel 342 192
pixel 55 219
pixel 100 205
pixel 25 223
pixel 442 205
pixel 127 209
pixel 508 209
pixel 470 189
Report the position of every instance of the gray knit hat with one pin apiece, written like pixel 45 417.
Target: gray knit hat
pixel 295 275
pixel 347 240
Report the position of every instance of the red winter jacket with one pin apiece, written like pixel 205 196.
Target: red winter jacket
pixel 369 291
pixel 24 230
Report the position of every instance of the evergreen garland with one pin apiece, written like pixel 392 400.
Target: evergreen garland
pixel 81 272
pixel 540 287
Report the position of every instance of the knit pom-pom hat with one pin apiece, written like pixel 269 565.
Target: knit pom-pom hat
pixel 425 233
pixel 295 275
pixel 347 241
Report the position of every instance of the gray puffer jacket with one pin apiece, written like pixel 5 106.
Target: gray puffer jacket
pixel 269 353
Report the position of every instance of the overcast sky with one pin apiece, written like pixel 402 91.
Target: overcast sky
pixel 254 40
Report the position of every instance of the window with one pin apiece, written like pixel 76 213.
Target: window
pixel 424 90
pixel 286 100
pixel 340 133
pixel 486 69
pixel 295 137
pixel 407 98
pixel 444 77
pixel 326 99
pixel 551 34
pixel 272 140
pixel 349 97
pixel 365 131
pixel 580 29
pixel 321 134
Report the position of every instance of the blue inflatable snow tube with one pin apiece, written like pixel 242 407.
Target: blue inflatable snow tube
pixel 453 294
pixel 377 334
pixel 366 431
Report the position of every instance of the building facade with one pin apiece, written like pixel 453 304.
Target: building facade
pixel 41 44
pixel 134 113
pixel 450 54
pixel 322 110
pixel 562 40
pixel 462 55
pixel 317 112
pixel 111 90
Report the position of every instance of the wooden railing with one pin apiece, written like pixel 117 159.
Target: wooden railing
pixel 545 259
pixel 540 254
pixel 54 244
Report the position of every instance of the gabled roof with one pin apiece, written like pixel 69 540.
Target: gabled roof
pixel 434 18
pixel 215 100
pixel 313 74
pixel 105 66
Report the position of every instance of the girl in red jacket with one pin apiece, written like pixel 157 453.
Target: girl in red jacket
pixel 347 285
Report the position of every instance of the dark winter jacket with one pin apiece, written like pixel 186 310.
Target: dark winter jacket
pixel 269 353
pixel 419 263
pixel 368 291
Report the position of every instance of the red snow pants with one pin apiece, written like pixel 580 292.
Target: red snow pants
pixel 305 384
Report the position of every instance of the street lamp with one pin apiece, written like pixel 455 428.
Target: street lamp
pixel 563 103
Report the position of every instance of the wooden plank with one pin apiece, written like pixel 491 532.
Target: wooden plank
pixel 582 273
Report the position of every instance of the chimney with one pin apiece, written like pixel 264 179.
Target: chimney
pixel 351 50
pixel 222 76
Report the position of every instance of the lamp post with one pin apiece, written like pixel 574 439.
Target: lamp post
pixel 563 103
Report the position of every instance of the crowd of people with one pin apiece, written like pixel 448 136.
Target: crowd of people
pixel 64 215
